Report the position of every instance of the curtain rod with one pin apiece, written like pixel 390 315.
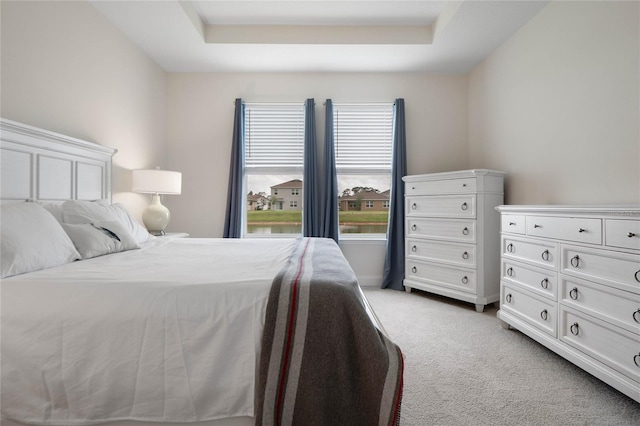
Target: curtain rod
pixel 361 103
pixel 323 103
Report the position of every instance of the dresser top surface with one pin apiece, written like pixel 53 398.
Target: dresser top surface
pixel 454 175
pixel 630 210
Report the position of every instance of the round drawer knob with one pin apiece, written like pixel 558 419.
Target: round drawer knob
pixel 544 315
pixel 464 206
pixel 512 224
pixel 575 329
pixel 414 269
pixel 508 298
pixel 537 226
pixel 414 249
pixel 414 227
pixel 636 316
pixel 414 206
pixel 631 235
pixel 573 294
pixel 575 261
pixel 636 360
pixel 510 248
pixel 544 283
pixel 581 230
pixel 465 231
pixel 545 255
pixel 510 271
pixel 464 280
pixel 465 255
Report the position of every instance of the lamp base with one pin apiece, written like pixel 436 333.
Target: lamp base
pixel 156 216
pixel 156 233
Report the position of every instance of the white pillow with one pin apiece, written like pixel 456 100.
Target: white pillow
pixel 100 238
pixel 32 239
pixel 77 212
pixel 54 208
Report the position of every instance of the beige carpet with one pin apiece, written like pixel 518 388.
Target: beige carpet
pixel 462 368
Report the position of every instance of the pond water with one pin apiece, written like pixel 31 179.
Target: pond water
pixel 297 229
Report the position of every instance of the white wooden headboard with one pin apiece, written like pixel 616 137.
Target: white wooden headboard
pixel 37 164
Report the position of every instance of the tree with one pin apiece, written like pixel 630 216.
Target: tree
pixel 359 203
pixel 360 189
pixel 272 202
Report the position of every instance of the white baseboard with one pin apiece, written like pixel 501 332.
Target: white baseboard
pixel 370 281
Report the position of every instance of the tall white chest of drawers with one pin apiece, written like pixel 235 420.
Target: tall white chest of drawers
pixel 452 234
pixel 571 281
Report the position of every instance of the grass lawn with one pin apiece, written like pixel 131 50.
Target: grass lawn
pixel 284 216
pixel 279 216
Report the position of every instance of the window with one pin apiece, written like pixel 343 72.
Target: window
pixel 363 137
pixel 274 157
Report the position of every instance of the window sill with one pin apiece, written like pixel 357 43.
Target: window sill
pixel 344 238
pixel 362 238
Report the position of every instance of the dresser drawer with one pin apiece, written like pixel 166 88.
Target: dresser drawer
pixel 581 230
pixel 455 254
pixel 622 233
pixel 611 345
pixel 512 223
pixel 441 229
pixel 447 186
pixel 616 269
pixel 451 277
pixel 538 280
pixel 537 252
pixel 463 206
pixel 617 307
pixel 536 310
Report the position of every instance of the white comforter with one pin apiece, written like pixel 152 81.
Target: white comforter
pixel 170 332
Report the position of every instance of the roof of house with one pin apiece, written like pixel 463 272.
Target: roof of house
pixel 295 183
pixel 366 196
pixel 255 197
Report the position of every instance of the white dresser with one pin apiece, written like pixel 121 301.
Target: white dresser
pixel 571 281
pixel 452 234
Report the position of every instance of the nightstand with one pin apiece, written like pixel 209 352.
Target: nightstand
pixel 175 235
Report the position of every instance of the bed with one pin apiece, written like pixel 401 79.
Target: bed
pixel 104 324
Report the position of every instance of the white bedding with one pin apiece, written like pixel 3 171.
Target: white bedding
pixel 170 332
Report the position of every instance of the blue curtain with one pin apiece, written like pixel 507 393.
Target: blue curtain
pixel 235 193
pixel 394 261
pixel 311 211
pixel 330 227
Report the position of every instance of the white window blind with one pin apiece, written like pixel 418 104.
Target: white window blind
pixel 363 136
pixel 274 135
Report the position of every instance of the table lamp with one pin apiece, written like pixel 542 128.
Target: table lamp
pixel 156 182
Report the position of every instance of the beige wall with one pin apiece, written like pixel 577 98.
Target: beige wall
pixel 557 106
pixel 65 68
pixel 200 125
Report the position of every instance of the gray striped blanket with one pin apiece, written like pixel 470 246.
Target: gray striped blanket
pixel 325 360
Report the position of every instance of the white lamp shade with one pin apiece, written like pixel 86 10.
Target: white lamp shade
pixel 156 181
